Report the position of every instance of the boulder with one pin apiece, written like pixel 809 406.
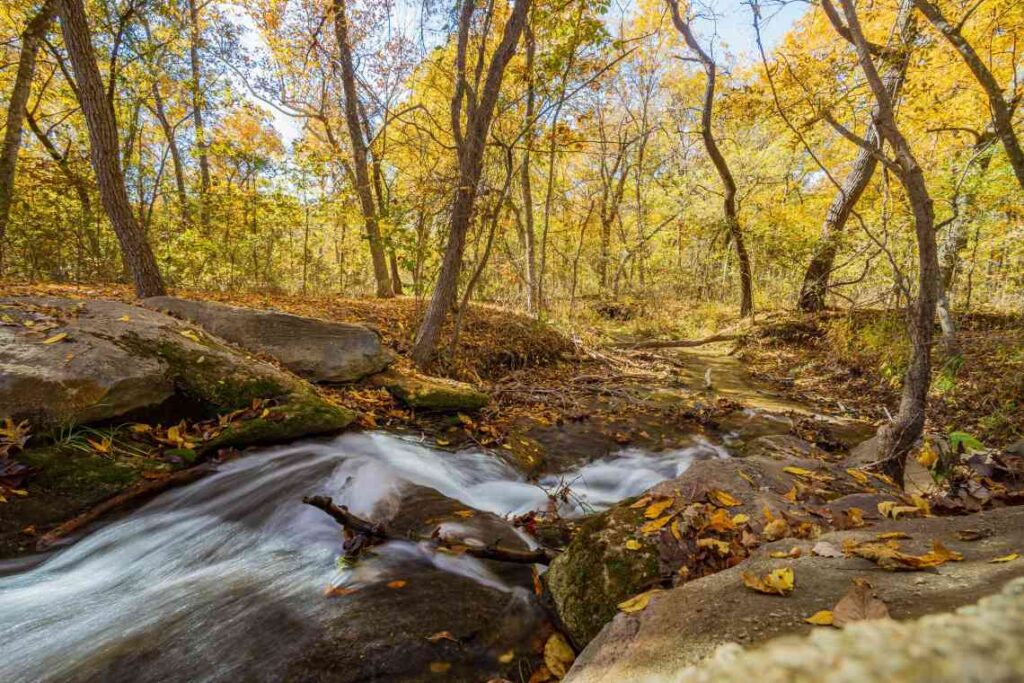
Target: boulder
pixel 65 362
pixel 431 393
pixel 612 557
pixel 318 350
pixel 683 625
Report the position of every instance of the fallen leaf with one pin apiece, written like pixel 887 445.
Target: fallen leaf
pixel 676 533
pixel 440 667
pixel 859 604
pixel 654 510
pixel 928 455
pixel 892 535
pixel 723 498
pixel 1005 558
pixel 633 544
pixel 887 556
pixel 640 503
pixel 558 656
pixel 442 635
pixel 776 582
pixel 776 529
pixel 101 446
pixel 56 338
pixel 638 602
pixel 655 524
pixel 826 549
pixel 125 318
pixel 740 519
pixel 798 471
pixel 465 514
pixel 336 591
pixel 397 584
pixel 858 475
pixel 721 547
pixel 790 495
pixel 721 521
pixel 507 657
pixel 973 534
pixel 820 618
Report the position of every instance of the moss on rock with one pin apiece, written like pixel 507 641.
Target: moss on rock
pixel 597 571
pixel 431 393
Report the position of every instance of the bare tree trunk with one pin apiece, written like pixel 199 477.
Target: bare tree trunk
pixel 172 143
pixel 896 438
pixel 99 117
pixel 711 145
pixel 471 156
pixel 814 290
pixel 529 236
pixel 31 39
pixel 198 104
pixel 1002 112
pixel 359 152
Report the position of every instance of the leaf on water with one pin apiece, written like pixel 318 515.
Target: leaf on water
pixel 507 657
pixel 440 667
pixel 337 591
pixel 397 584
pixel 558 656
pixel 654 510
pixel 633 544
pixel 820 618
pixel 859 604
pixel 442 635
pixel 826 549
pixel 465 514
pixel 56 338
pixel 655 524
pixel 1005 558
pixel 638 602
pixel 723 498
pixel 777 582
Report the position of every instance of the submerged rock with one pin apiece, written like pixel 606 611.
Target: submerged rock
pixel 682 626
pixel 431 393
pixel 318 350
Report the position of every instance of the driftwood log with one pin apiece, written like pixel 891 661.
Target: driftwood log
pixel 356 526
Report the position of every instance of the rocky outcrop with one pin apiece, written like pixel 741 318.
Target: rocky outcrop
pixel 681 627
pixel 431 393
pixel 711 517
pixel 64 363
pixel 318 350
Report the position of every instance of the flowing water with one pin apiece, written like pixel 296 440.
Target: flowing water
pixel 223 580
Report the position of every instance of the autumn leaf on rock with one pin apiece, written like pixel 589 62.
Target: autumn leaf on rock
pixel 826 549
pixel 633 544
pixel 721 521
pixel 655 524
pixel 723 498
pixel 655 509
pixel 776 582
pixel 721 547
pixel 56 338
pixel 775 529
pixel 820 618
pixel 638 602
pixel 859 604
pixel 558 656
pixel 1005 558
pixel 442 635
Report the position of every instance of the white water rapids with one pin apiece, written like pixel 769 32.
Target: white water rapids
pixel 205 580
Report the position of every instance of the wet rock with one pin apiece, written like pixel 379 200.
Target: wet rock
pixel 782 447
pixel 431 393
pixel 683 625
pixel 318 350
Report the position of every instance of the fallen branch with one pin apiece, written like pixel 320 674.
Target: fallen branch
pixel 676 343
pixel 357 525
pixel 128 497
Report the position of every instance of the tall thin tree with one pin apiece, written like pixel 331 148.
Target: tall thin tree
pixel 479 103
pixel 732 223
pixel 104 152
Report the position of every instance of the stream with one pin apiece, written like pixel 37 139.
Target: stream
pixel 224 580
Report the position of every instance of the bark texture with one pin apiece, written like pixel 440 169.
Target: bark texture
pixel 99 116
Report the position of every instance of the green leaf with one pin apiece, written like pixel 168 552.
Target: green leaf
pixel 962 441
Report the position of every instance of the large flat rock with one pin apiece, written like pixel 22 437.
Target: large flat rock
pixel 318 350
pixel 682 626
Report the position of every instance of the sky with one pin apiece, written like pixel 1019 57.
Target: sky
pixel 730 29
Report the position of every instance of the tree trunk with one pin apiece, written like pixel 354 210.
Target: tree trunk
pixel 99 117
pixel 359 152
pixel 721 166
pixel 896 438
pixel 31 39
pixel 172 143
pixel 198 103
pixel 529 236
pixel 814 290
pixel 1002 115
pixel 471 155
